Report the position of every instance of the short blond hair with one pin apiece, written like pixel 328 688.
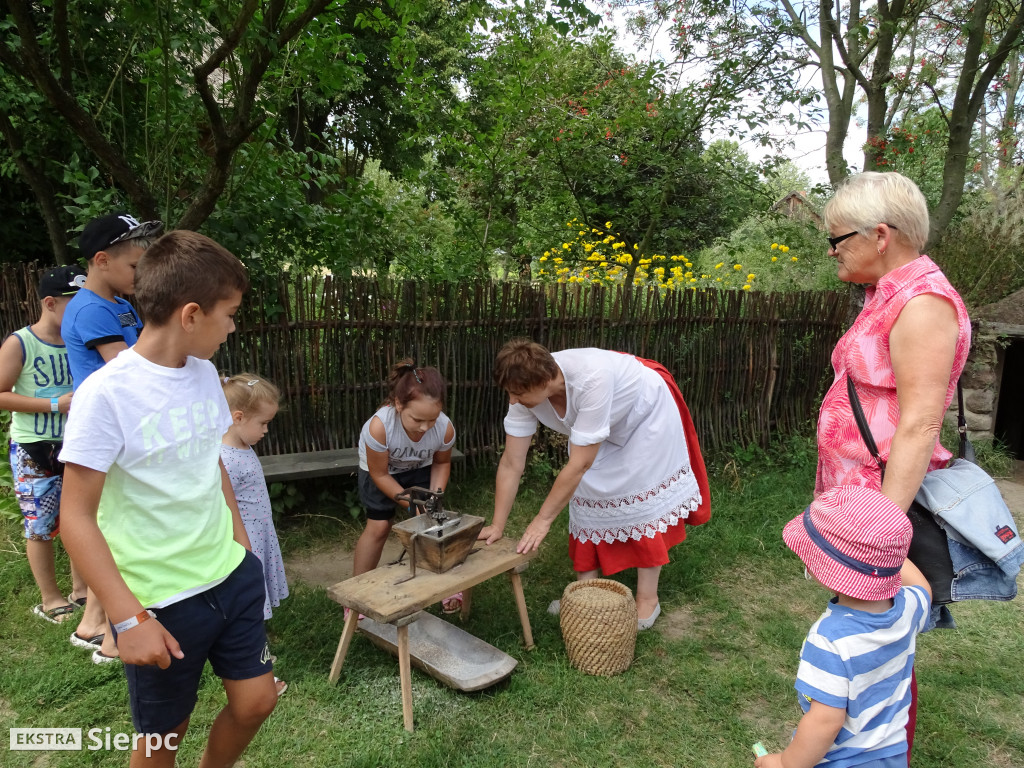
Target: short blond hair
pixel 868 199
pixel 247 391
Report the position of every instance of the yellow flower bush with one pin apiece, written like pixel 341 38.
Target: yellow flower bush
pixel 603 257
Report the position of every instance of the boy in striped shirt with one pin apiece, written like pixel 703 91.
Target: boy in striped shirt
pixel 856 662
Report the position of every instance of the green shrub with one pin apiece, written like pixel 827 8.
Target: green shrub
pixel 798 261
pixel 982 253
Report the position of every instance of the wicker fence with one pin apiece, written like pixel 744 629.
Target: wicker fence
pixel 751 366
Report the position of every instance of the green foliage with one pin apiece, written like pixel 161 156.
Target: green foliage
pixel 994 457
pixel 8 503
pixel 285 498
pixel 917 149
pixel 982 253
pixel 804 265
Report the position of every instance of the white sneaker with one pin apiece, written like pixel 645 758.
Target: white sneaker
pixel 555 608
pixel 649 621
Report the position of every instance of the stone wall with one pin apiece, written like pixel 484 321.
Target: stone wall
pixel 982 376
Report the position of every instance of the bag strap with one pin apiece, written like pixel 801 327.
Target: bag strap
pixel 966 450
pixel 862 424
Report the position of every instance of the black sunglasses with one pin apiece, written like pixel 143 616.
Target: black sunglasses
pixel 833 242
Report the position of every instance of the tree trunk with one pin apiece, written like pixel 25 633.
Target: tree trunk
pixel 881 75
pixel 972 86
pixel 41 190
pixel 839 102
pixel 78 119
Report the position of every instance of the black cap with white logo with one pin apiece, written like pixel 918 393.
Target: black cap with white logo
pixel 61 281
pixel 99 234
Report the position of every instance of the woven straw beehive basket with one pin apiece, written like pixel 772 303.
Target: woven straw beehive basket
pixel 598 619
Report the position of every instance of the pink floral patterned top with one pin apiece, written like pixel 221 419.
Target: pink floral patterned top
pixel 863 353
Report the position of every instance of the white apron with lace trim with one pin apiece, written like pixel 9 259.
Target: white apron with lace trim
pixel 640 483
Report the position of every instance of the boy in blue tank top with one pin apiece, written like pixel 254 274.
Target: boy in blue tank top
pixel 35 386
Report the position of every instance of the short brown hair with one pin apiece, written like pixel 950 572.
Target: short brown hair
pixel 522 365
pixel 184 267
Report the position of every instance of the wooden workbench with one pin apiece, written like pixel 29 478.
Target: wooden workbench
pixel 384 597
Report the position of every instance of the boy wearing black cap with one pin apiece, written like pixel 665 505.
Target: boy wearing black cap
pixel 35 386
pixel 99 323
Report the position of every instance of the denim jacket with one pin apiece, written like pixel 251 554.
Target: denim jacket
pixel 984 544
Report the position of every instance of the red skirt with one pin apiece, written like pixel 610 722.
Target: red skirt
pixel 620 555
pixel 649 552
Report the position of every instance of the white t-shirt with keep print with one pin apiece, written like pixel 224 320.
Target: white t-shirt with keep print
pixel 156 433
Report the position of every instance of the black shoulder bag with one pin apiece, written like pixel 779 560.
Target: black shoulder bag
pixel 929 549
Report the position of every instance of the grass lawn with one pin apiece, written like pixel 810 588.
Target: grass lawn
pixel 714 676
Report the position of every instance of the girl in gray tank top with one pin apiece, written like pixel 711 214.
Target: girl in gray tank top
pixel 407 442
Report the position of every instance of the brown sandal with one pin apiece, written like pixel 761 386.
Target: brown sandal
pixel 56 615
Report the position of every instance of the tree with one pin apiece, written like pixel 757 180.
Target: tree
pixel 859 49
pixel 160 101
pixel 556 128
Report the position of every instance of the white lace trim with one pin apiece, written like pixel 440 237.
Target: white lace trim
pixel 637 515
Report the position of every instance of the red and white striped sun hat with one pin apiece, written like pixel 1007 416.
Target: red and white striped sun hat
pixel 853 540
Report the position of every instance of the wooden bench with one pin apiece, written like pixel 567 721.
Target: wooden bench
pixel 300 466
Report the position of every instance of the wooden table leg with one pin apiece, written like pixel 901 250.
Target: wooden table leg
pixel 346 639
pixel 517 590
pixel 467 604
pixel 405 673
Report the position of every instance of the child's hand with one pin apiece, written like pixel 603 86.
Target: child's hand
pixel 64 402
pixel 774 760
pixel 148 644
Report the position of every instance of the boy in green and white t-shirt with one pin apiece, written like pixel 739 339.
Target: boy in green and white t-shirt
pixel 35 386
pixel 150 514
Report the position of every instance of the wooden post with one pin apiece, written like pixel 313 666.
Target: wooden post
pixel 405 673
pixel 524 617
pixel 346 639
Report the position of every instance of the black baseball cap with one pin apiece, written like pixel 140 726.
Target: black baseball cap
pixel 61 281
pixel 99 234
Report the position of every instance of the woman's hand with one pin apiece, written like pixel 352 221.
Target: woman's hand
pixel 534 535
pixel 491 534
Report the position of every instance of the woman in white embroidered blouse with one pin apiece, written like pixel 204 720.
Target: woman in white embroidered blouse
pixel 628 480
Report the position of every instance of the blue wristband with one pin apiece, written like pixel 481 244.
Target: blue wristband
pixel 54 405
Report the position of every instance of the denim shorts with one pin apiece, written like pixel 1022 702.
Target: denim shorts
pixel 380 507
pixel 223 624
pixel 37 489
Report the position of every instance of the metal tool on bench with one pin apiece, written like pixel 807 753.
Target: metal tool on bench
pixel 436 540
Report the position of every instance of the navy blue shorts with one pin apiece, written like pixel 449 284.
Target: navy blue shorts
pixel 380 507
pixel 223 624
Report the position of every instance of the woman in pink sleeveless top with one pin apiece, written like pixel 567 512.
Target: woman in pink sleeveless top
pixel 905 352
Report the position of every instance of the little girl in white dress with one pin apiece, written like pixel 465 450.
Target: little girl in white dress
pixel 253 402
